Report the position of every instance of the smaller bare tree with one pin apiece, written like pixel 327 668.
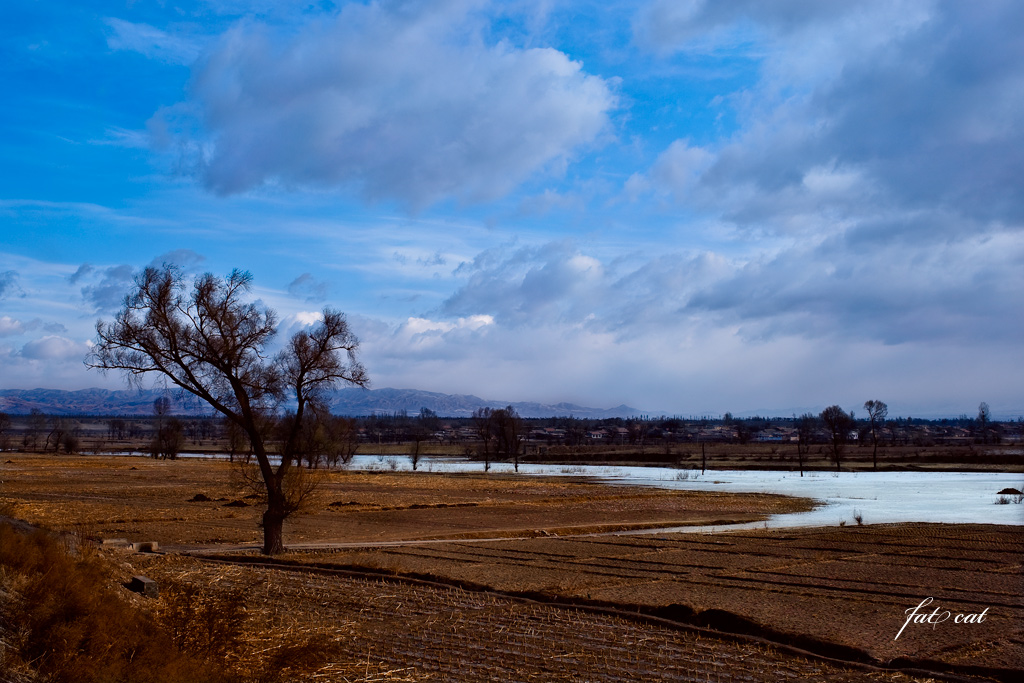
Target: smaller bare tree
pixel 5 431
pixel 507 427
pixel 168 440
pixel 806 428
pixel 36 426
pixel 484 432
pixel 838 423
pixel 877 412
pixel 984 419
pixel 344 435
pixel 420 430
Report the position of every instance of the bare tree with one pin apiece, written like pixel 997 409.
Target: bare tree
pixel 806 428
pixel 344 440
pixel 420 429
pixel 236 440
pixel 168 439
pixel 207 340
pixel 5 430
pixel 984 418
pixel 877 412
pixel 838 423
pixel 507 427
pixel 36 426
pixel 59 427
pixel 484 432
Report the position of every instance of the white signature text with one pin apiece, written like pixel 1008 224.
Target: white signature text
pixel 919 615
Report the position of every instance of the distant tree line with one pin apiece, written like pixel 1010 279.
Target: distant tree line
pixel 499 434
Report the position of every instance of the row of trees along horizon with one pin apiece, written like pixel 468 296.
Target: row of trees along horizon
pixel 498 432
pixel 206 337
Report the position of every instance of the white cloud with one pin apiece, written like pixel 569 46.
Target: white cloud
pixel 693 366
pixel 960 292
pixel 151 42
pixel 55 348
pixel 872 187
pixel 308 318
pixel 398 101
pixel 437 337
pixel 860 109
pixel 676 171
pixel 9 326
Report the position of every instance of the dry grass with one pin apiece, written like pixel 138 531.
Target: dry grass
pixel 62 620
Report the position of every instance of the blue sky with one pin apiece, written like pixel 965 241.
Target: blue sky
pixel 683 206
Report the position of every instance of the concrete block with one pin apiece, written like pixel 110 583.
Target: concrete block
pixel 145 586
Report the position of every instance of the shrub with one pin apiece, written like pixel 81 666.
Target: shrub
pixel 203 623
pixel 62 619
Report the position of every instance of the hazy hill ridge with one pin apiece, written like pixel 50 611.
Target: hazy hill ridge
pixel 348 401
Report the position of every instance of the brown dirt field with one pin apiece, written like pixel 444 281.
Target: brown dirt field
pixel 817 588
pixel 327 628
pixel 145 499
pixel 825 589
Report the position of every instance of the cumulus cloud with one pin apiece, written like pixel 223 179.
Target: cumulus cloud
pixel 675 172
pixel 402 101
pixel 532 284
pixel 862 109
pixel 697 332
pixel 559 284
pixel 296 322
pixel 422 339
pixel 55 348
pixel 872 188
pixel 9 326
pixel 961 293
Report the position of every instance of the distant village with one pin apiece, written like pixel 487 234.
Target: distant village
pixel 568 431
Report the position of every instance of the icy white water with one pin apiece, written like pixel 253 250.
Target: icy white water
pixel 877 497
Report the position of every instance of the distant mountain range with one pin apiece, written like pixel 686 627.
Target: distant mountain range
pixel 349 401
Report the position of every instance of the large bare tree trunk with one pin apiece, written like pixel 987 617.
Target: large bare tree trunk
pixel 273 532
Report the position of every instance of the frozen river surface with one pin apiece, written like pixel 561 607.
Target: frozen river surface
pixel 877 497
